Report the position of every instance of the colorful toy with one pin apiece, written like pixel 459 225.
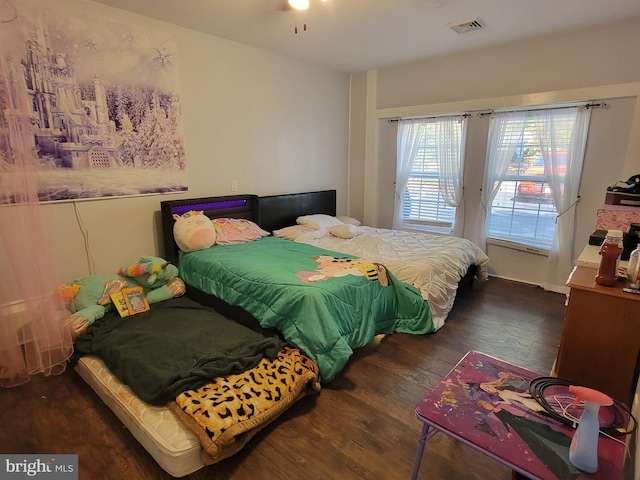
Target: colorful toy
pixel 193 231
pixel 89 298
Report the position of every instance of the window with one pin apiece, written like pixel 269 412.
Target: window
pixel 535 148
pixel 433 175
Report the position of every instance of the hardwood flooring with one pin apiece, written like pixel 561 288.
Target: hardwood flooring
pixel 362 426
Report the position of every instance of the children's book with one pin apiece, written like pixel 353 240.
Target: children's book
pixel 136 300
pixel 130 301
pixel 121 305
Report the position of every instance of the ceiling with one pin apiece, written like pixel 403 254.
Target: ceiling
pixel 358 35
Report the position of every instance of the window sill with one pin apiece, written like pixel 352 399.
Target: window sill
pixel 427 229
pixel 518 246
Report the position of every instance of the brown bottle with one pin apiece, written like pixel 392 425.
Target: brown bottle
pixel 609 256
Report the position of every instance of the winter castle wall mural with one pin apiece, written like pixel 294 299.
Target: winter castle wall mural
pixel 93 102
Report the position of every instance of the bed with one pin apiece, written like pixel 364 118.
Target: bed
pixel 435 264
pixel 323 302
pixel 326 303
pixel 191 396
pixel 438 265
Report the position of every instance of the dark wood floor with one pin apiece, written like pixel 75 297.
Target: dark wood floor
pixel 362 426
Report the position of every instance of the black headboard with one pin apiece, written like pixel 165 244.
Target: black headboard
pixel 236 206
pixel 278 211
pixel 270 212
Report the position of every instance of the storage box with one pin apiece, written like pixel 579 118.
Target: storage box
pixel 618 198
pixel 617 217
pixel 597 237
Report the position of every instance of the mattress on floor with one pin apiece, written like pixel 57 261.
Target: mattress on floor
pixel 174 446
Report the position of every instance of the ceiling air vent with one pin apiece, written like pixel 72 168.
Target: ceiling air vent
pixel 465 26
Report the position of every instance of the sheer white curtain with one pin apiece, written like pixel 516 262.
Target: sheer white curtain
pixel 409 133
pixel 450 138
pixel 505 132
pixel 447 135
pixel 562 130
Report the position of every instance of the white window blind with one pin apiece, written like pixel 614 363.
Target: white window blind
pixel 424 205
pixel 523 210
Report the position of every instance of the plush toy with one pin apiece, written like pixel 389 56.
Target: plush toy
pixel 89 298
pixel 193 231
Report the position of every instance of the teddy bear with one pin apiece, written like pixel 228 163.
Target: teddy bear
pixel 89 298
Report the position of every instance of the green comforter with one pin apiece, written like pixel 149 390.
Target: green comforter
pixel 316 298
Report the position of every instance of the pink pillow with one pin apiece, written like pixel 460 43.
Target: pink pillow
pixel 236 230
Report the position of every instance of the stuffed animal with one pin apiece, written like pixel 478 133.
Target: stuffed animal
pixel 193 231
pixel 89 298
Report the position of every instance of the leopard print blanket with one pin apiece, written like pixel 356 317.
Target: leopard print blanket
pixel 226 413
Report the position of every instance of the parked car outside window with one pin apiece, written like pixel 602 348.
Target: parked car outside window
pixel 530 189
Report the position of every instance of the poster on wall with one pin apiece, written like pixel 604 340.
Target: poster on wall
pixel 93 103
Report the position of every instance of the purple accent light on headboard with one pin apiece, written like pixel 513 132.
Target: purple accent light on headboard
pixel 180 209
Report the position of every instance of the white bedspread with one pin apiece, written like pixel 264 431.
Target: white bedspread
pixel 432 263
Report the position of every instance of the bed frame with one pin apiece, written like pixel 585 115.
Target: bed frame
pixel 236 206
pixel 269 212
pixel 279 211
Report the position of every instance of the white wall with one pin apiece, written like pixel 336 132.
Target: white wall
pixel 273 124
pixel 595 64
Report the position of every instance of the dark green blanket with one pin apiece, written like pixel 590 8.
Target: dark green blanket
pixel 178 345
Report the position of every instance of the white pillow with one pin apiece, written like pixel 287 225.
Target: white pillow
pixel 292 232
pixel 311 234
pixel 318 221
pixel 345 231
pixel 349 220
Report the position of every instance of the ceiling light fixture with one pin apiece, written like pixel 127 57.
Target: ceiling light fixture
pixel 299 4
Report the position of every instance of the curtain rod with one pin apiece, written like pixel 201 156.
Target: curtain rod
pixel 484 114
pixel 448 115
pixel 587 105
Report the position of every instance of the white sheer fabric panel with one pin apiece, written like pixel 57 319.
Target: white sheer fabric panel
pixel 409 132
pixel 504 128
pixel 451 142
pixel 552 128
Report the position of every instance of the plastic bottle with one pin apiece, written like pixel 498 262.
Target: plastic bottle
pixel 583 452
pixel 633 270
pixel 609 256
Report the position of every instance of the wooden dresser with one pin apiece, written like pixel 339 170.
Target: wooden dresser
pixel 600 339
